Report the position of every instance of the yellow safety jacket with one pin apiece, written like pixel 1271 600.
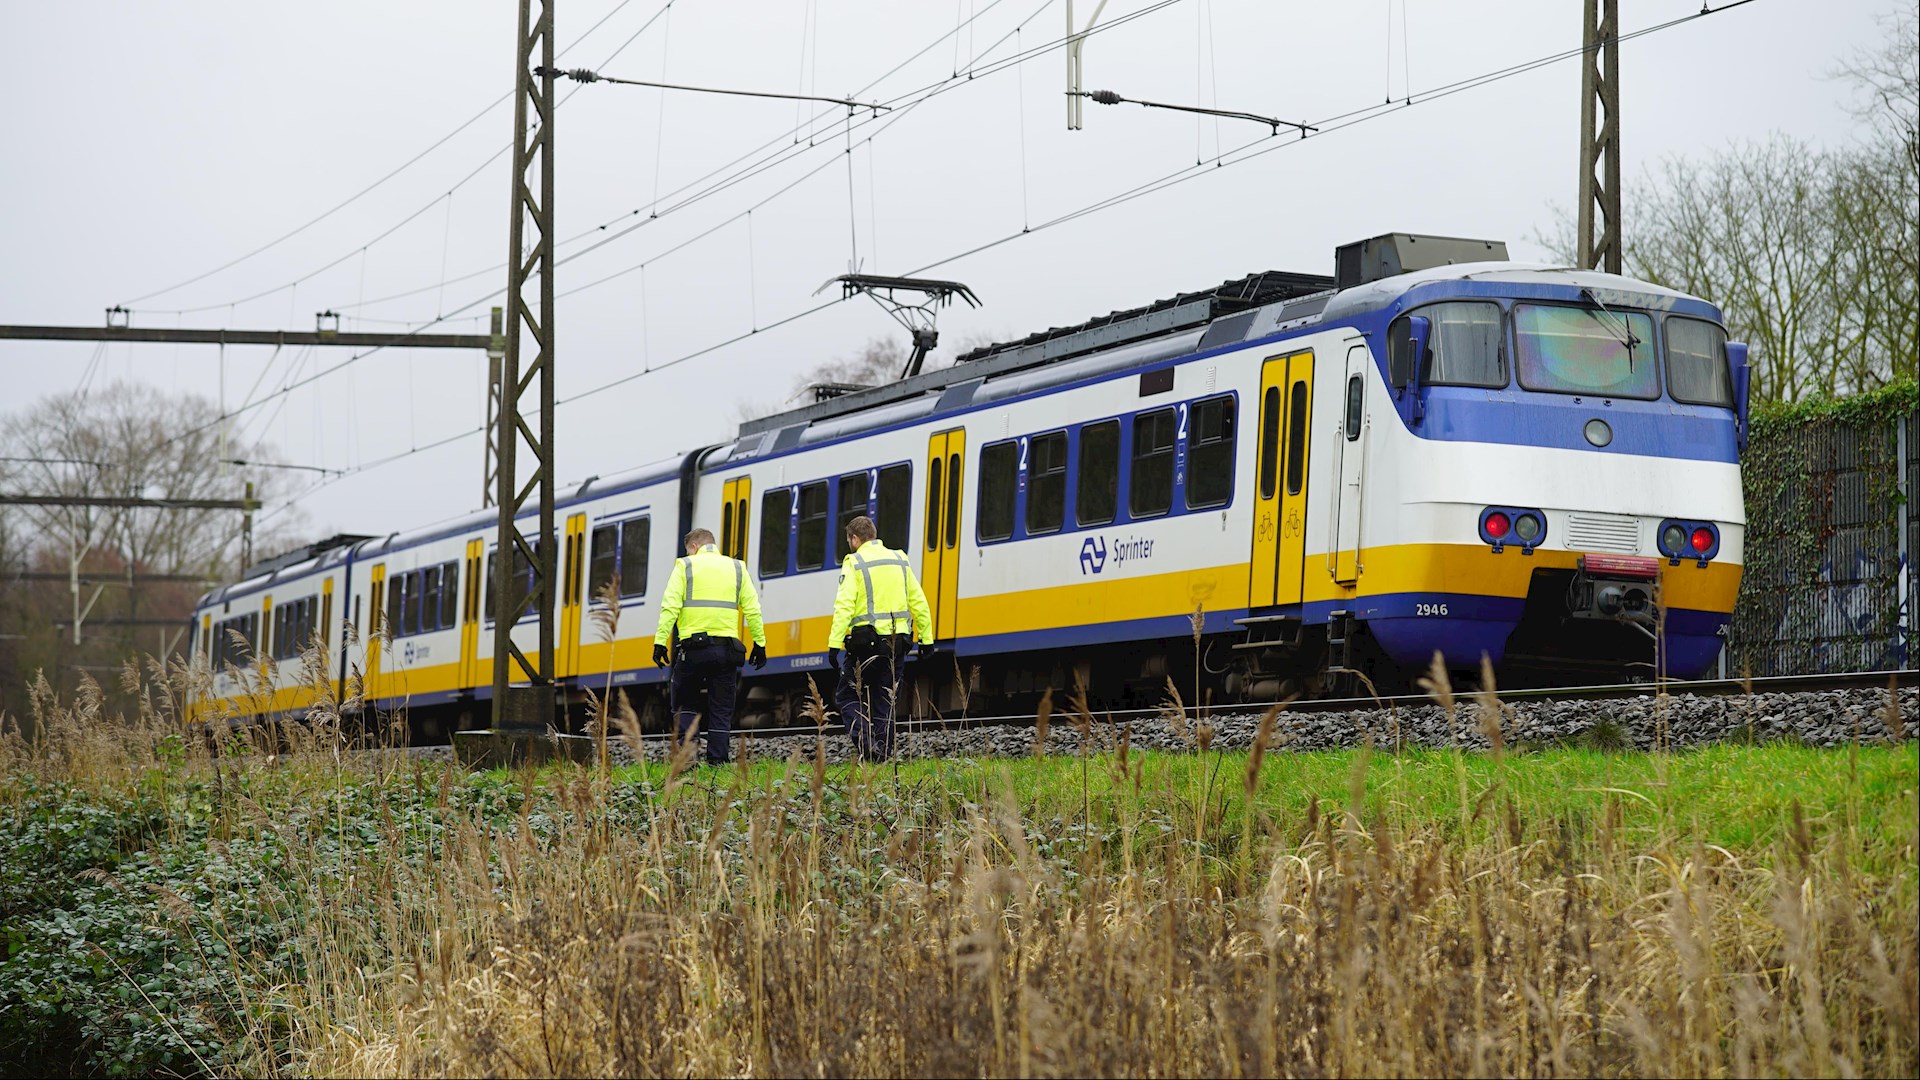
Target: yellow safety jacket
pixel 877 588
pixel 706 594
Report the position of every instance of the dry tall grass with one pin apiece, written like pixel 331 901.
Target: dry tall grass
pixel 790 918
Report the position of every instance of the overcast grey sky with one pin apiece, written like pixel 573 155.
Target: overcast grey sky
pixel 146 144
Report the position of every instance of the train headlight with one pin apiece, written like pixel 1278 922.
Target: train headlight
pixel 1498 525
pixel 1702 539
pixel 1527 528
pixel 1683 539
pixel 1598 433
pixel 1672 539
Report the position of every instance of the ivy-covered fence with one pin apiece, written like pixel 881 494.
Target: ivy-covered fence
pixel 1831 530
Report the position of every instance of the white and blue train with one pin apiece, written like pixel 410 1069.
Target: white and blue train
pixel 1257 485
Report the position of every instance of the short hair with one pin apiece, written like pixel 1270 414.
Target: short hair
pixel 699 538
pixel 861 528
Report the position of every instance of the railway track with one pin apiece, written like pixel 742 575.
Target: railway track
pixel 1780 684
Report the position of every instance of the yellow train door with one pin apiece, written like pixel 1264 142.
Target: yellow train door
pixel 375 641
pixel 940 558
pixel 470 617
pixel 734 537
pixel 1293 479
pixel 572 571
pixel 1280 492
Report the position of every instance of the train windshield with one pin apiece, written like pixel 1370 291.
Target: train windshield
pixel 1570 350
pixel 1697 370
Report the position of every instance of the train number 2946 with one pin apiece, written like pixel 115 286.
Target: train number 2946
pixel 1429 609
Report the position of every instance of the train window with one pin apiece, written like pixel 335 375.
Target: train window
pixel 1297 438
pixel 489 587
pixel 1697 371
pixel 1351 426
pixel 1047 482
pixel 854 493
pixel 953 500
pixel 1569 350
pixel 895 505
pixel 1150 487
pixel 934 473
pixel 1210 435
pixel 1465 346
pixel 396 598
pixel 449 594
pixel 727 546
pixel 1099 486
pixel 776 517
pixel 635 539
pixel 430 598
pixel 1269 441
pixel 604 565
pixel 410 613
pixel 811 550
pixel 999 477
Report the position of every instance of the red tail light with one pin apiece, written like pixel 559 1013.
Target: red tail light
pixel 1702 539
pixel 1498 525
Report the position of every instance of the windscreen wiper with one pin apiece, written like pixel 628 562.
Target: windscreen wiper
pixel 1624 334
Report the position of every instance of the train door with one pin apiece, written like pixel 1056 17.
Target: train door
pixel 325 633
pixel 1353 460
pixel 734 495
pixel 375 641
pixel 470 617
pixel 573 558
pixel 940 559
pixel 1280 494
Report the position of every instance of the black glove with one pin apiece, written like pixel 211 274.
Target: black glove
pixel 758 659
pixel 660 657
pixel 922 650
pixel 833 659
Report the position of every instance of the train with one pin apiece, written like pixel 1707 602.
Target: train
pixel 1291 483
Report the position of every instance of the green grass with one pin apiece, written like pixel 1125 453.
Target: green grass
pixel 1741 798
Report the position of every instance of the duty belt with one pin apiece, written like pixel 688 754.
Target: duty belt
pixel 686 566
pixel 866 576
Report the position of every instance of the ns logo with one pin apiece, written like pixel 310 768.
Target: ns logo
pixel 1093 555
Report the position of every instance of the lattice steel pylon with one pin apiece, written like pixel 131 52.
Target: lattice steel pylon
pixel 1600 138
pixel 530 705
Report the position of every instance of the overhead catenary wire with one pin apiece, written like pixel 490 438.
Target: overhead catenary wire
pixel 370 188
pixel 409 219
pixel 1246 152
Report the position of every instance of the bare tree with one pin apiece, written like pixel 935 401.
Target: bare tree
pixel 1813 254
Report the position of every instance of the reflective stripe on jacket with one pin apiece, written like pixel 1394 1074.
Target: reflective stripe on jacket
pixel 877 588
pixel 706 594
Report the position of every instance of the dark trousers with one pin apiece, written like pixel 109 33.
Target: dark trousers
pixel 870 678
pixel 717 681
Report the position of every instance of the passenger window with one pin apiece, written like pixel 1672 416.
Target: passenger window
pixel 934 473
pixel 429 598
pixel 1046 482
pixel 1269 441
pixel 895 505
pixel 396 600
pixel 1099 487
pixel 1352 425
pixel 1150 487
pixel 489 586
pixel 449 596
pixel 853 503
pixel 812 553
pixel 635 537
pixel 410 612
pixel 727 546
pixel 1210 453
pixel 999 474
pixel 1297 438
pixel 776 517
pixel 605 563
